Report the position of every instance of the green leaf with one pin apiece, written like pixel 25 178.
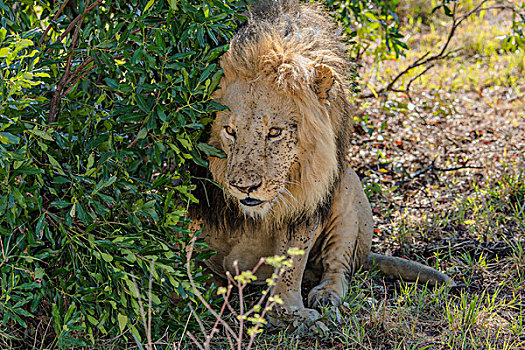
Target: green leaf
pixel 103 184
pixel 39 273
pixel 173 4
pixel 41 134
pixel 57 322
pixel 159 40
pixel 142 133
pixel 161 113
pixel 91 160
pixel 4 51
pixel 211 151
pixel 148 5
pixel 3 32
pixel 142 103
pixel 106 257
pixel 9 138
pixel 40 225
pixel 206 73
pixel 122 321
pixel 28 170
pixel 447 10
pixel 111 83
pixel 56 164
pixel 17 318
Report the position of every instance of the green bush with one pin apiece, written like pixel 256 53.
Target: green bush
pixel 370 23
pixel 100 117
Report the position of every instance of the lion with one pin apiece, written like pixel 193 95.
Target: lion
pixel 285 181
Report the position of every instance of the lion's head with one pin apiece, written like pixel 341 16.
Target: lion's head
pixel 281 132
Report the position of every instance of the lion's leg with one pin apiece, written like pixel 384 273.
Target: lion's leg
pixel 345 241
pixel 288 288
pixel 336 261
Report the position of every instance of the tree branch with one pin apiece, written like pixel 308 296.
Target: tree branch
pixel 425 59
pixel 66 78
pixel 54 19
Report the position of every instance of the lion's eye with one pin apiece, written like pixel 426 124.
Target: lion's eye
pixel 274 132
pixel 229 130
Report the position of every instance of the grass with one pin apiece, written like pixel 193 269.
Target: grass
pixel 445 171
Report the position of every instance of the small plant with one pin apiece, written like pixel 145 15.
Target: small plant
pixel 248 320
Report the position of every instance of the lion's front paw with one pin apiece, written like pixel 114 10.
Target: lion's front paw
pixel 324 295
pixel 299 320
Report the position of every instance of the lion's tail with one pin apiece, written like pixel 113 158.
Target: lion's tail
pixel 407 270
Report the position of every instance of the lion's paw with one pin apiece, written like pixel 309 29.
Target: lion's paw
pixel 322 296
pixel 301 320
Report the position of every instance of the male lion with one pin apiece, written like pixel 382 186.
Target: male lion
pixel 285 182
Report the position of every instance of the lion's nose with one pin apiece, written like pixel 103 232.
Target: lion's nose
pixel 243 187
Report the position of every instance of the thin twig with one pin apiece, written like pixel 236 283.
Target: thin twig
pixel 216 324
pixel 80 68
pixel 199 321
pixel 54 19
pixel 183 331
pixel 433 168
pixel 199 295
pixel 241 306
pixel 78 79
pixel 407 89
pixel 195 341
pixel 53 110
pixel 424 59
pixel 141 305
pixel 150 306
pixel 79 18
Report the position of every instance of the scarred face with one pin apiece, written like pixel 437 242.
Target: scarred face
pixel 259 136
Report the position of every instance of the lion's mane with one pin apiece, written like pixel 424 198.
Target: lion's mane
pixel 284 43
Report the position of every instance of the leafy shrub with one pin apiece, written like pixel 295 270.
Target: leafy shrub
pixel 369 23
pixel 100 116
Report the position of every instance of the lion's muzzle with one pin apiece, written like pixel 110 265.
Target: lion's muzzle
pixel 247 185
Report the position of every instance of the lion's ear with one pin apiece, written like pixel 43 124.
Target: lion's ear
pixel 323 81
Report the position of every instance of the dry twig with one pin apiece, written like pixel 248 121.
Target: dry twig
pixel 425 59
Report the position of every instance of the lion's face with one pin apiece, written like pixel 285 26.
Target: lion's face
pixel 259 136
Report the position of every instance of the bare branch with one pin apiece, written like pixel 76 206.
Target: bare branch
pixel 442 54
pixel 57 95
pixel 199 295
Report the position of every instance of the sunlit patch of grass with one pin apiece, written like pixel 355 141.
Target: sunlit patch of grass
pixel 497 210
pixel 418 317
pixel 478 60
pixel 482 320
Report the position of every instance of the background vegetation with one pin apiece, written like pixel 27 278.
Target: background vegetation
pixel 104 104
